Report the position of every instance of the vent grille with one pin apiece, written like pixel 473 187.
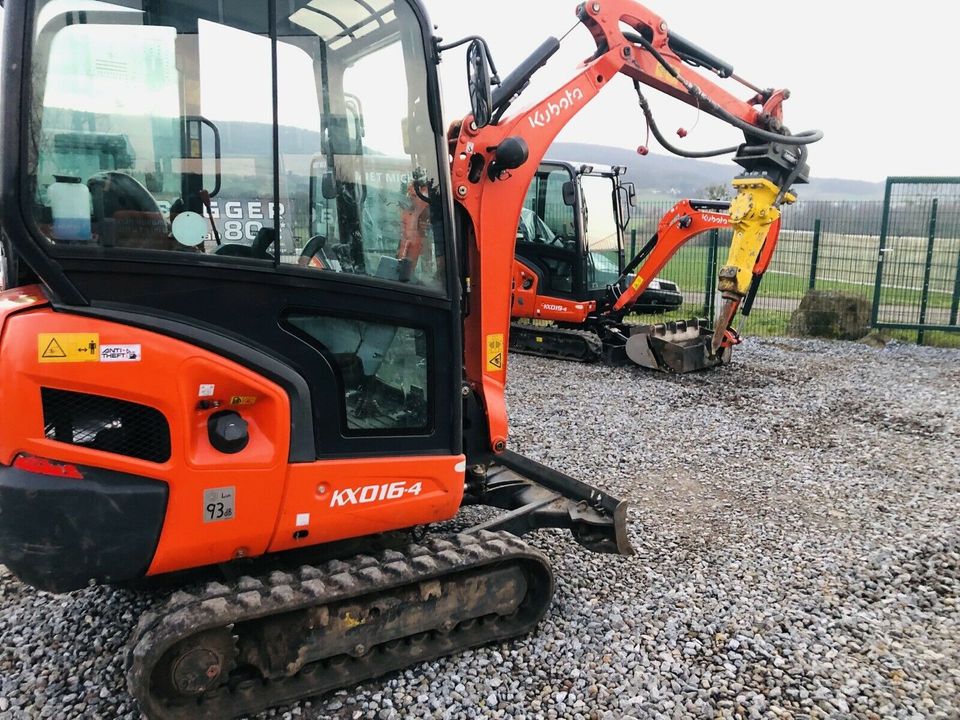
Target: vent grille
pixel 102 423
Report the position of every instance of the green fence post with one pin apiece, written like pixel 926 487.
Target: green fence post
pixel 815 254
pixel 925 296
pixel 955 303
pixel 710 300
pixel 633 243
pixel 884 226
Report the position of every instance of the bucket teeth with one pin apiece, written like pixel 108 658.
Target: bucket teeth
pixel 678 346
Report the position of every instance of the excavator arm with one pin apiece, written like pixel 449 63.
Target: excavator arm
pixel 494 162
pixel 685 220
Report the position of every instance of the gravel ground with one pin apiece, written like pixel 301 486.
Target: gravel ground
pixel 796 527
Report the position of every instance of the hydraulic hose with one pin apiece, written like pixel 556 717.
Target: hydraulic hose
pixel 648 114
pixel 807 137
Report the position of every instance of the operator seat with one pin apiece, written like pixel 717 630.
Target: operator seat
pixel 259 249
pixel 126 215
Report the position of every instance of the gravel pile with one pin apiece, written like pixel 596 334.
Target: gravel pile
pixel 796 526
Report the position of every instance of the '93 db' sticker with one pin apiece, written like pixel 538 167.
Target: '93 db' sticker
pixel 219 504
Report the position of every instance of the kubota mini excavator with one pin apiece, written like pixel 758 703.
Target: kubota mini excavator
pixel 572 288
pixel 199 370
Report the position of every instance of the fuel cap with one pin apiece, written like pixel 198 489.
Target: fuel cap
pixel 228 431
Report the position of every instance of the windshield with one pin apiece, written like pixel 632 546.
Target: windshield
pixel 601 230
pixel 183 127
pixel 545 218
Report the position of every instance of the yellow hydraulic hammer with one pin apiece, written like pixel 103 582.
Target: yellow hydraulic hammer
pixel 752 212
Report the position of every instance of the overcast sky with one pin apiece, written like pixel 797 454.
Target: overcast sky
pixel 876 77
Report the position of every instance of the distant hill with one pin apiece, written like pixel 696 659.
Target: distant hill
pixel 674 177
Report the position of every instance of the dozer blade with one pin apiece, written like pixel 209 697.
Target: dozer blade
pixel 678 347
pixel 537 496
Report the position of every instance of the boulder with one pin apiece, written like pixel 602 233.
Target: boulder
pixel 833 315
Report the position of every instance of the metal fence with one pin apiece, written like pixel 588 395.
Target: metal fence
pixel 902 255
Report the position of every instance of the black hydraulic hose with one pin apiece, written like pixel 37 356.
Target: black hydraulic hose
pixel 807 137
pixel 785 186
pixel 648 114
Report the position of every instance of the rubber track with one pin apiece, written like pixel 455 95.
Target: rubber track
pixel 219 606
pixel 591 348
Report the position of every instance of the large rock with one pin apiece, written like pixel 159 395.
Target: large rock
pixel 829 314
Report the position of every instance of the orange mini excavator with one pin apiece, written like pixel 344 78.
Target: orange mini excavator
pixel 236 339
pixel 573 288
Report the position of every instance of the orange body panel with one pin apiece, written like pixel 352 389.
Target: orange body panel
pixel 269 492
pixel 527 303
pixel 338 499
pixel 18 300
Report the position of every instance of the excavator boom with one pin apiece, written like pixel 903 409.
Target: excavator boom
pixel 682 222
pixel 496 156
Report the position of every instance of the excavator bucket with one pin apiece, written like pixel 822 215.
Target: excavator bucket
pixel 680 346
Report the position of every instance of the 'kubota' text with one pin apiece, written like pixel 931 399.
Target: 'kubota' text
pixel 544 116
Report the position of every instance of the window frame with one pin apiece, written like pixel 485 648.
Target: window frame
pixel 431 357
pixel 56 262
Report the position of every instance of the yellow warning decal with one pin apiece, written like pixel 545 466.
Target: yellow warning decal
pixel 243 400
pixel 495 352
pixel 661 73
pixel 68 347
pixel 637 283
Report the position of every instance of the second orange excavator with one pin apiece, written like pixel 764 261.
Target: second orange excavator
pixel 573 290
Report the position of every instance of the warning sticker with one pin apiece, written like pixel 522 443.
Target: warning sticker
pixel 68 347
pixel 495 351
pixel 661 73
pixel 243 400
pixel 120 353
pixel 637 283
pixel 219 504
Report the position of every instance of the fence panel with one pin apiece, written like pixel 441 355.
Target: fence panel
pixel 917 284
pixel 835 245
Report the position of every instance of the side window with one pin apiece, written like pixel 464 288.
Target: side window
pixel 545 218
pixel 601 231
pixel 153 129
pixel 383 370
pixel 560 274
pixel 364 191
pixel 109 132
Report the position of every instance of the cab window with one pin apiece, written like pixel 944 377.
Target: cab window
pixel 153 130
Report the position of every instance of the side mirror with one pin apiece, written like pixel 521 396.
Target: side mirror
pixel 628 201
pixel 328 186
pixel 478 84
pixel 570 193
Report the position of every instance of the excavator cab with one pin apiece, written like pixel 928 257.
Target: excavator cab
pixel 572 236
